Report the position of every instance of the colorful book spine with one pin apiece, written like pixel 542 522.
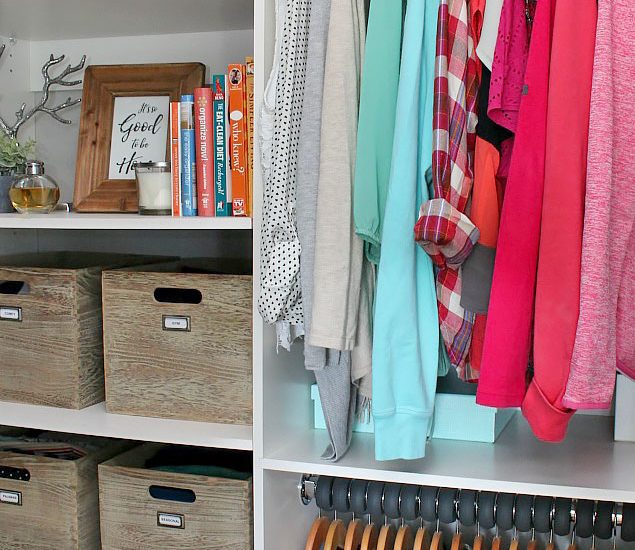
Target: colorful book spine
pixel 203 103
pixel 238 131
pixel 188 157
pixel 228 157
pixel 175 153
pixel 249 65
pixel 219 85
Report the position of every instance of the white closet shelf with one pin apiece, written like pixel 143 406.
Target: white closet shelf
pixel 74 220
pixel 588 464
pixel 71 19
pixel 96 421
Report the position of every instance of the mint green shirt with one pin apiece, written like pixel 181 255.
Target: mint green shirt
pixel 406 337
pixel 378 101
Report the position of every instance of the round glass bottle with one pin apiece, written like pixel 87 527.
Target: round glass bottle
pixel 35 192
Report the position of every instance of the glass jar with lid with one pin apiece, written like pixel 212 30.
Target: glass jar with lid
pixel 34 192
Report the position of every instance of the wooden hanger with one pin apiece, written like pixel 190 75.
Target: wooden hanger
pixel 437 538
pixel 354 535
pixel 336 536
pixel 513 545
pixel 437 541
pixel 387 536
pixel 404 539
pixel 369 537
pixel 317 534
pixel 497 542
pixel 457 541
pixel 421 539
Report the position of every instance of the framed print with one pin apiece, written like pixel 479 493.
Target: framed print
pixel 125 119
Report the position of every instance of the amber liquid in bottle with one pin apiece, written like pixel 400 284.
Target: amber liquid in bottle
pixel 35 199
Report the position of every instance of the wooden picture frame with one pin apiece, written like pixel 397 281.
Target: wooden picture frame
pixel 94 191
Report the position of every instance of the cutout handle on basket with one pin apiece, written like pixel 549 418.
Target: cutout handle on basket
pixel 18 474
pixel 14 287
pixel 172 494
pixel 167 295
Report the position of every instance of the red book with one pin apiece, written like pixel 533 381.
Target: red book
pixel 238 139
pixel 204 132
pixel 175 154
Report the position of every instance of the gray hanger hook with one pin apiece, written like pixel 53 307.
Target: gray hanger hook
pixel 574 509
pixel 457 510
pixel 436 508
pixel 496 533
pixel 478 522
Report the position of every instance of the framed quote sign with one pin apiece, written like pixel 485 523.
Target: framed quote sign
pixel 125 119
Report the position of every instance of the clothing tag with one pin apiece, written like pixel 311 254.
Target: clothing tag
pixel 177 322
pixel 11 313
pixel 525 89
pixel 11 497
pixel 173 521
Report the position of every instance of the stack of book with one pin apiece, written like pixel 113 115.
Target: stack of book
pixel 211 137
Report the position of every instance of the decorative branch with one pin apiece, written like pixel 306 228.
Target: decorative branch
pixel 22 115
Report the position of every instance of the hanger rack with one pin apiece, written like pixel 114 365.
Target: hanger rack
pixel 487 509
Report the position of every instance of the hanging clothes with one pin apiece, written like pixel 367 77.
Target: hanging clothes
pixel 510 314
pixel 406 330
pixel 332 368
pixel 377 106
pixel 487 200
pixel 486 44
pixel 280 300
pixel 508 66
pixel 443 230
pixel 558 279
pixel 605 337
pixel 339 252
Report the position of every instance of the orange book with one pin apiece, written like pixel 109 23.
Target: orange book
pixel 238 139
pixel 175 154
pixel 250 129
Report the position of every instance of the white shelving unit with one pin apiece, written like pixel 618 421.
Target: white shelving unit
pixel 587 465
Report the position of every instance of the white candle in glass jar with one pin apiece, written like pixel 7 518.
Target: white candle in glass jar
pixel 154 186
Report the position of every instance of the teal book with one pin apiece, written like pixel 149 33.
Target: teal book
pixel 188 157
pixel 219 86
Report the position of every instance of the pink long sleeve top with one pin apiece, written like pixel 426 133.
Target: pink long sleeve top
pixel 605 338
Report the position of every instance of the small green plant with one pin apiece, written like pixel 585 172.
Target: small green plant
pixel 13 155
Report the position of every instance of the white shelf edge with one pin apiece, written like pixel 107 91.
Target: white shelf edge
pixel 454 482
pixel 75 221
pixel 95 421
pixel 588 465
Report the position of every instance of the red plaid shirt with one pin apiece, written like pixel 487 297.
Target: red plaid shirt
pixel 443 230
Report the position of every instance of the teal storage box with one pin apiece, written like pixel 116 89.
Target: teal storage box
pixel 459 417
pixel 455 417
pixel 365 426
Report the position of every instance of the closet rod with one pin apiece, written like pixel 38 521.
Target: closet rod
pixel 507 510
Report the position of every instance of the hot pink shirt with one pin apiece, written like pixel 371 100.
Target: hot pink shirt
pixel 508 66
pixel 508 332
pixel 605 337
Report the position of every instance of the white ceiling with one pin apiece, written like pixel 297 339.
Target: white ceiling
pixel 68 19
